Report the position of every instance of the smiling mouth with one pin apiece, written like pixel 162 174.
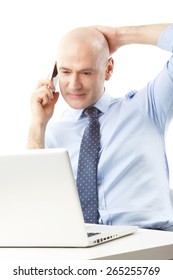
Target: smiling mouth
pixel 76 95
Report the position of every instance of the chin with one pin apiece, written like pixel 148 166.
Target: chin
pixel 76 105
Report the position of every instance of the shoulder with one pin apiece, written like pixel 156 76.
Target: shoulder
pixel 130 95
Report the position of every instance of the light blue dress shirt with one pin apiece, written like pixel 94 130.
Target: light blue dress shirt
pixel 133 175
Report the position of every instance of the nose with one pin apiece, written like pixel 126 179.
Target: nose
pixel 74 82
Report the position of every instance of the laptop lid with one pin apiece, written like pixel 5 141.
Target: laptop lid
pixel 39 202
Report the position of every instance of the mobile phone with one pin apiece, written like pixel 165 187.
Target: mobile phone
pixel 54 75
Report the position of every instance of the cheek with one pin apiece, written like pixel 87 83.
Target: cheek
pixel 99 83
pixel 62 88
pixel 63 83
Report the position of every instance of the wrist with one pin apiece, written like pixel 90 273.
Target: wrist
pixel 36 136
pixel 125 35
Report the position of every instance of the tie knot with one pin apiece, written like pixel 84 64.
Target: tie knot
pixel 92 112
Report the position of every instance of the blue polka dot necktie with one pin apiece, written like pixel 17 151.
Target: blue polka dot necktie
pixel 87 167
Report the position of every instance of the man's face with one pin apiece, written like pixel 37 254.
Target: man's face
pixel 81 73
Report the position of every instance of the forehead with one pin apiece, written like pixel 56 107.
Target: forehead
pixel 78 55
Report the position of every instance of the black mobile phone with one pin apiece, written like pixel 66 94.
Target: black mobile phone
pixel 54 75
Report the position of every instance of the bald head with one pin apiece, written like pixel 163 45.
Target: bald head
pixel 83 66
pixel 85 38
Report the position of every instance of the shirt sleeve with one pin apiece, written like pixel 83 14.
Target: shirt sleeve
pixel 165 40
pixel 160 90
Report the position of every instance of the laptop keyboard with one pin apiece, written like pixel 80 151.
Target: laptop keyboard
pixel 92 233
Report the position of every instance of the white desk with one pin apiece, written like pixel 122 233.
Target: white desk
pixel 145 244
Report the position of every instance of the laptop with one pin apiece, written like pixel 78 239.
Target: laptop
pixel 40 206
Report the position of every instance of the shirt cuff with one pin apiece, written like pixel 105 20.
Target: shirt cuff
pixel 165 41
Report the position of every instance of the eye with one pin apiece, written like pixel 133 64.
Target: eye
pixel 86 73
pixel 65 72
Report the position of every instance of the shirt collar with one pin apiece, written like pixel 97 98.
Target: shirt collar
pixel 102 104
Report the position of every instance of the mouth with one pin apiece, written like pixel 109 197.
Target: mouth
pixel 76 95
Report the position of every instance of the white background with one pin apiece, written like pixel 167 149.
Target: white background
pixel 29 34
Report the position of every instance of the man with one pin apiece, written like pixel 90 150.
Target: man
pixel 132 175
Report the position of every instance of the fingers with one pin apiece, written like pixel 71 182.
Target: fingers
pixel 44 92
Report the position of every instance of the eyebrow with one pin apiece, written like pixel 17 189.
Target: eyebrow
pixel 82 70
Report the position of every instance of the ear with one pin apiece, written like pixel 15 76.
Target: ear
pixel 109 68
